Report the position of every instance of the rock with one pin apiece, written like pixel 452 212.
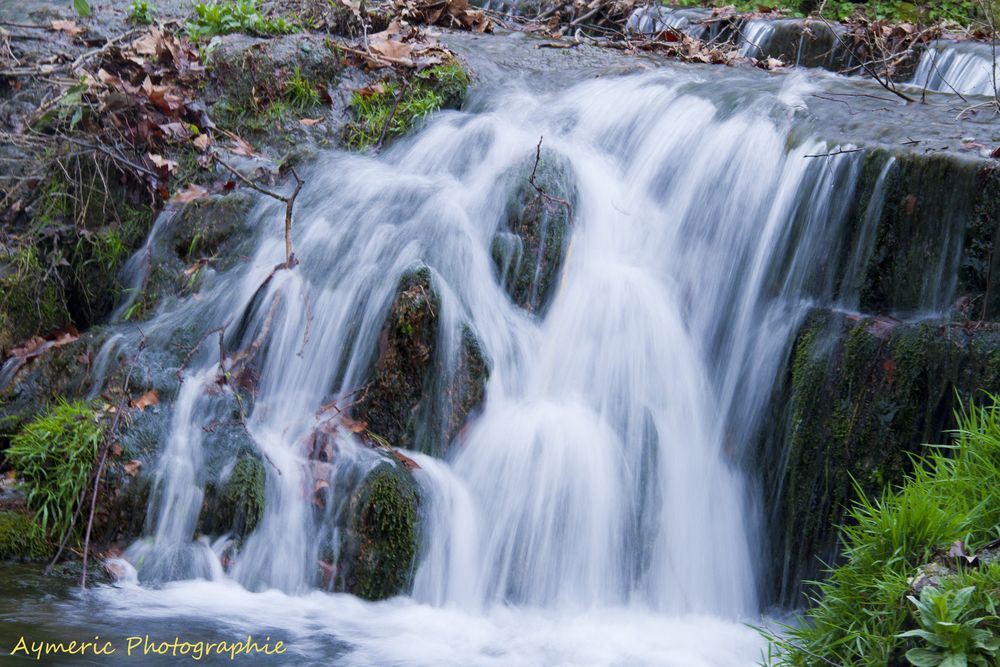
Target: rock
pixel 530 248
pixel 235 504
pixel 21 538
pixel 411 399
pixel 863 393
pixel 381 545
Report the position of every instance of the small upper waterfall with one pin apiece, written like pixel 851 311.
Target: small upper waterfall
pixel 968 68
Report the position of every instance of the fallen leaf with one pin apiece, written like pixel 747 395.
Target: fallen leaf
pixel 189 192
pixel 242 147
pixel 310 121
pixel 71 28
pixel 162 162
pixel 133 467
pixel 144 401
pixel 176 131
pixel 407 462
pixel 202 142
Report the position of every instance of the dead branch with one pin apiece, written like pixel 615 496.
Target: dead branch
pixel 392 113
pixel 538 188
pixel 839 151
pixel 289 202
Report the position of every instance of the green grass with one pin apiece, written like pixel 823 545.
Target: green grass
pixel 228 16
pixel 430 90
pixel 859 613
pixel 54 455
pixel 299 92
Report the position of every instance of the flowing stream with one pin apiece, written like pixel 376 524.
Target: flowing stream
pixel 601 509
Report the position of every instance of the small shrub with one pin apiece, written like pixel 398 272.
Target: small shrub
pixel 140 11
pixel 221 18
pixel 951 637
pixel 54 456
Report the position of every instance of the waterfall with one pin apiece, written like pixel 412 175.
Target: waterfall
pixel 607 473
pixel 968 68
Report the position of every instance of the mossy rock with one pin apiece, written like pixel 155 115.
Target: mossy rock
pixel 914 258
pixel 206 234
pixel 383 538
pixel 242 497
pixel 416 398
pixel 530 246
pixel 21 538
pixel 261 87
pixel 864 395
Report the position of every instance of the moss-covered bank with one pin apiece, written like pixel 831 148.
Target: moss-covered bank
pixel 864 394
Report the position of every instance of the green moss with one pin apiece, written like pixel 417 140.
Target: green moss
pixel 864 395
pixel 54 455
pixel 386 524
pixel 241 502
pixel 397 107
pixel 31 300
pixel 21 538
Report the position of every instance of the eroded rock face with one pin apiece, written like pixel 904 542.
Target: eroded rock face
pixel 530 247
pixel 864 393
pixel 416 397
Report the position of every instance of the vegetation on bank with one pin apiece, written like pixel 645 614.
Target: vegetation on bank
pixel 938 533
pixel 390 109
pixel 54 456
pixel 963 12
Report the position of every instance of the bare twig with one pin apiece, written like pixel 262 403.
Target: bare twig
pixel 839 151
pixel 288 200
pixel 392 113
pixel 538 188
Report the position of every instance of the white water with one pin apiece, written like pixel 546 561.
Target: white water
pixel 598 511
pixel 968 68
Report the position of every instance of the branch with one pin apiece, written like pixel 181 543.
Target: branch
pixel 289 202
pixel 538 189
pixel 839 151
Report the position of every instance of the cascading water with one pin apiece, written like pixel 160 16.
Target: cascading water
pixel 968 68
pixel 599 509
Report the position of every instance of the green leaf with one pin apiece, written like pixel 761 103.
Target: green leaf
pixel 955 660
pixel 921 657
pixel 82 8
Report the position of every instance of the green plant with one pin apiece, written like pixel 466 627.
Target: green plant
pixel 221 18
pixel 952 638
pixel 82 8
pixel 140 11
pixel 858 615
pixel 54 455
pixel 299 92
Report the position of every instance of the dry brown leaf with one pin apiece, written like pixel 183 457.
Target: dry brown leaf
pixel 310 121
pixel 133 467
pixel 202 142
pixel 392 49
pixel 71 28
pixel 242 147
pixel 189 192
pixel 144 401
pixel 162 162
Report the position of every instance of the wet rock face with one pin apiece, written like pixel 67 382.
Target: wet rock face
pixel 915 256
pixel 864 394
pixel 380 548
pixel 416 397
pixel 235 503
pixel 530 246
